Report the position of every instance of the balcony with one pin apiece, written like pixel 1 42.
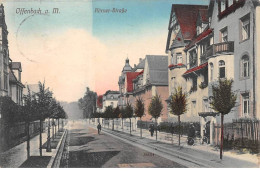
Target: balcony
pixel 215 49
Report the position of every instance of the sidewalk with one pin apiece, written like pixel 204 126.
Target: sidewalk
pixel 16 156
pixel 203 151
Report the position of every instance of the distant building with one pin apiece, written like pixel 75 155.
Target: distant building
pixel 152 80
pixel 110 98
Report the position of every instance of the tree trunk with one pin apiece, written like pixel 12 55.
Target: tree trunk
pixel 122 125
pixel 222 132
pixel 179 120
pixel 156 128
pixel 55 130
pixel 58 124
pixel 28 140
pixel 40 138
pixel 141 127
pixel 113 125
pixel 52 129
pixel 130 126
pixel 48 137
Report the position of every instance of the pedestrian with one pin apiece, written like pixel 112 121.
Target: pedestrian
pixel 151 129
pixel 99 128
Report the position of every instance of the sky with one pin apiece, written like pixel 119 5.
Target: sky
pixel 78 47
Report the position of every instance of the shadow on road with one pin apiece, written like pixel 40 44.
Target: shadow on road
pixel 83 159
pixel 36 162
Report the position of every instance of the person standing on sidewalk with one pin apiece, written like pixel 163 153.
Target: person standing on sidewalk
pixel 99 128
pixel 151 129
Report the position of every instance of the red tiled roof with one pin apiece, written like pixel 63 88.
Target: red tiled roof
pixel 204 15
pixel 140 73
pixel 196 68
pixel 129 77
pixel 100 101
pixel 198 38
pixel 187 16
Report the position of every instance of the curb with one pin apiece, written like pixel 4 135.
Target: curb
pixel 55 159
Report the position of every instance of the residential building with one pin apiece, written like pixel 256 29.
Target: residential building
pixel 186 22
pixel 110 98
pixel 152 80
pixel 10 72
pixel 15 83
pixel 225 45
pixel 122 84
pixel 4 55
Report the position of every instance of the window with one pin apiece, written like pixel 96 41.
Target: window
pixel 193 58
pixel 245 28
pixel 206 105
pixel 178 58
pixel 211 71
pixel 245 66
pixel 222 5
pixel 5 82
pixel 222 73
pixel 199 30
pixel 172 59
pixel 224 35
pixel 230 2
pixel 193 107
pixel 245 104
pixel 112 104
pixel 5 61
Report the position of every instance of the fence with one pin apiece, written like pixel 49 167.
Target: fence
pixel 239 134
pixel 15 133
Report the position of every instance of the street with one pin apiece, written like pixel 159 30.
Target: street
pixel 88 149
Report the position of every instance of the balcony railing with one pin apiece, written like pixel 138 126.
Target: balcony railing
pixel 219 48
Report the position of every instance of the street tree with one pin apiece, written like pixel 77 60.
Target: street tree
pixel 28 111
pixel 178 104
pixel 88 103
pixel 129 113
pixel 223 100
pixel 139 111
pixel 116 112
pixel 155 109
pixel 108 114
pixel 43 98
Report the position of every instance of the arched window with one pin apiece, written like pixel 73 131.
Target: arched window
pixel 211 71
pixel 245 66
pixel 222 69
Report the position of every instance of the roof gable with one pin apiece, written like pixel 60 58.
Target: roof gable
pixel 158 69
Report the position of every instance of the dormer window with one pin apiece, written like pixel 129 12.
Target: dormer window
pixel 199 30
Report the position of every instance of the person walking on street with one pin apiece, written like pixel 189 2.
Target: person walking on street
pixel 151 129
pixel 99 128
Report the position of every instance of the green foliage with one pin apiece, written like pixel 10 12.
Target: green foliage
pixel 139 108
pixel 29 110
pixel 116 112
pixel 224 99
pixel 128 110
pixel 178 102
pixel 108 112
pixel 44 99
pixel 155 106
pixel 88 103
pixel 10 111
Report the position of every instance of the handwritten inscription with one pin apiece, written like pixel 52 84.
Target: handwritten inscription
pixel 114 10
pixel 32 11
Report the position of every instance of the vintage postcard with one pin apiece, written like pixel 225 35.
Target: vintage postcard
pixel 129 83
